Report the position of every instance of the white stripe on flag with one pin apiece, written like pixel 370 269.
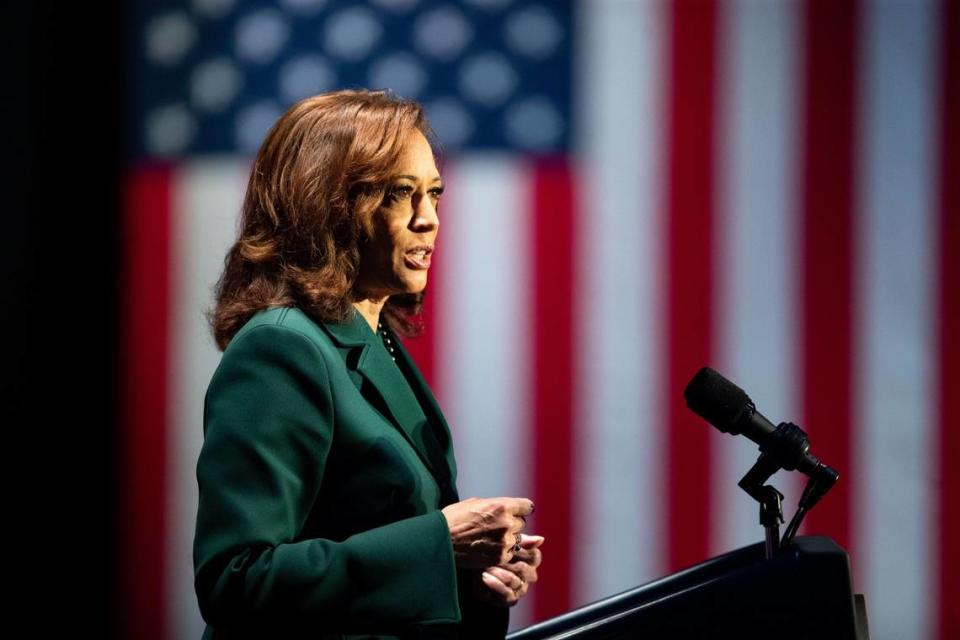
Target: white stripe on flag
pixel 205 207
pixel 483 358
pixel 896 439
pixel 619 489
pixel 755 310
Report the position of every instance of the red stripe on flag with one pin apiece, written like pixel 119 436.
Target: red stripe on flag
pixel 144 363
pixel 949 322
pixel 551 325
pixel 827 253
pixel 690 110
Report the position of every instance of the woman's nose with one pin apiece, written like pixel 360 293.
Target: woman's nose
pixel 425 216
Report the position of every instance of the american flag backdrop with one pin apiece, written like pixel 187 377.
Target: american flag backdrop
pixel 634 190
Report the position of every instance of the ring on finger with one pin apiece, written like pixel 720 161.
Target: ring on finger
pixel 516 543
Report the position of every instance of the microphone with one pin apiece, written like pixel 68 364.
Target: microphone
pixel 785 446
pixel 728 408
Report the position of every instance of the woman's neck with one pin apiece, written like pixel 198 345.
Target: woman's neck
pixel 370 309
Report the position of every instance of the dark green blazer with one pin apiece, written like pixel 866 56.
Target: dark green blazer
pixel 323 468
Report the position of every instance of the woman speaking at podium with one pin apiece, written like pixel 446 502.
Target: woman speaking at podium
pixel 328 504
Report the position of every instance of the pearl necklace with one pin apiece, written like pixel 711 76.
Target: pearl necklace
pixel 387 342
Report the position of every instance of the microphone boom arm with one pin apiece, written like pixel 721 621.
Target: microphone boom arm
pixel 786 448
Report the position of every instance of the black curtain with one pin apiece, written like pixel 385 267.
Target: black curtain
pixel 61 125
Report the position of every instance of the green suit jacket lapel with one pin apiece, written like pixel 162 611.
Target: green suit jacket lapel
pixel 448 477
pixel 367 361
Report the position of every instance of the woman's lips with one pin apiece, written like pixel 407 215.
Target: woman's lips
pixel 418 258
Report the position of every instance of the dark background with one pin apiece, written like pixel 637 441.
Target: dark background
pixel 61 102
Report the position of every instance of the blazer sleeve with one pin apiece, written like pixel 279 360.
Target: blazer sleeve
pixel 268 426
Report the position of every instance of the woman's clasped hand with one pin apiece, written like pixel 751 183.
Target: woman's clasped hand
pixel 486 534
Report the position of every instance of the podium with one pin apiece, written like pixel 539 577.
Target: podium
pixel 804 592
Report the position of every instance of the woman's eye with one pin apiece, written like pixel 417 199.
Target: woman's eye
pixel 400 193
pixel 436 192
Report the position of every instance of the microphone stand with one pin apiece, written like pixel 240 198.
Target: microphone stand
pixel 786 447
pixel 821 480
pixel 771 500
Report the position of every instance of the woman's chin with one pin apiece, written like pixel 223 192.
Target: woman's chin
pixel 418 287
pixel 417 283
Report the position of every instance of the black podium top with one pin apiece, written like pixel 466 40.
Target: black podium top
pixel 802 593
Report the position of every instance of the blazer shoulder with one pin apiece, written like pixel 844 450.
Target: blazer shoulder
pixel 289 318
pixel 277 341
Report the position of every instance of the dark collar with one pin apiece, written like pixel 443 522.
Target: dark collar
pixel 354 333
pixel 367 360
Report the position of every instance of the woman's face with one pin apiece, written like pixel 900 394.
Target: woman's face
pixel 405 226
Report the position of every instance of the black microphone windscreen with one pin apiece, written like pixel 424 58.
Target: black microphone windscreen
pixel 717 400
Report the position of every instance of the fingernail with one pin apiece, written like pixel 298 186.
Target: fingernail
pixel 488 577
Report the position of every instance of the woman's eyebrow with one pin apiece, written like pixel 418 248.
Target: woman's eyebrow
pixel 414 178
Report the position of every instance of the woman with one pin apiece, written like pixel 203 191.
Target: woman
pixel 328 503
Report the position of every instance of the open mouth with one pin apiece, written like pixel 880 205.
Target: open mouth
pixel 418 257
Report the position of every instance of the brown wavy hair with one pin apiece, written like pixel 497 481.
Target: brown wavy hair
pixel 319 176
